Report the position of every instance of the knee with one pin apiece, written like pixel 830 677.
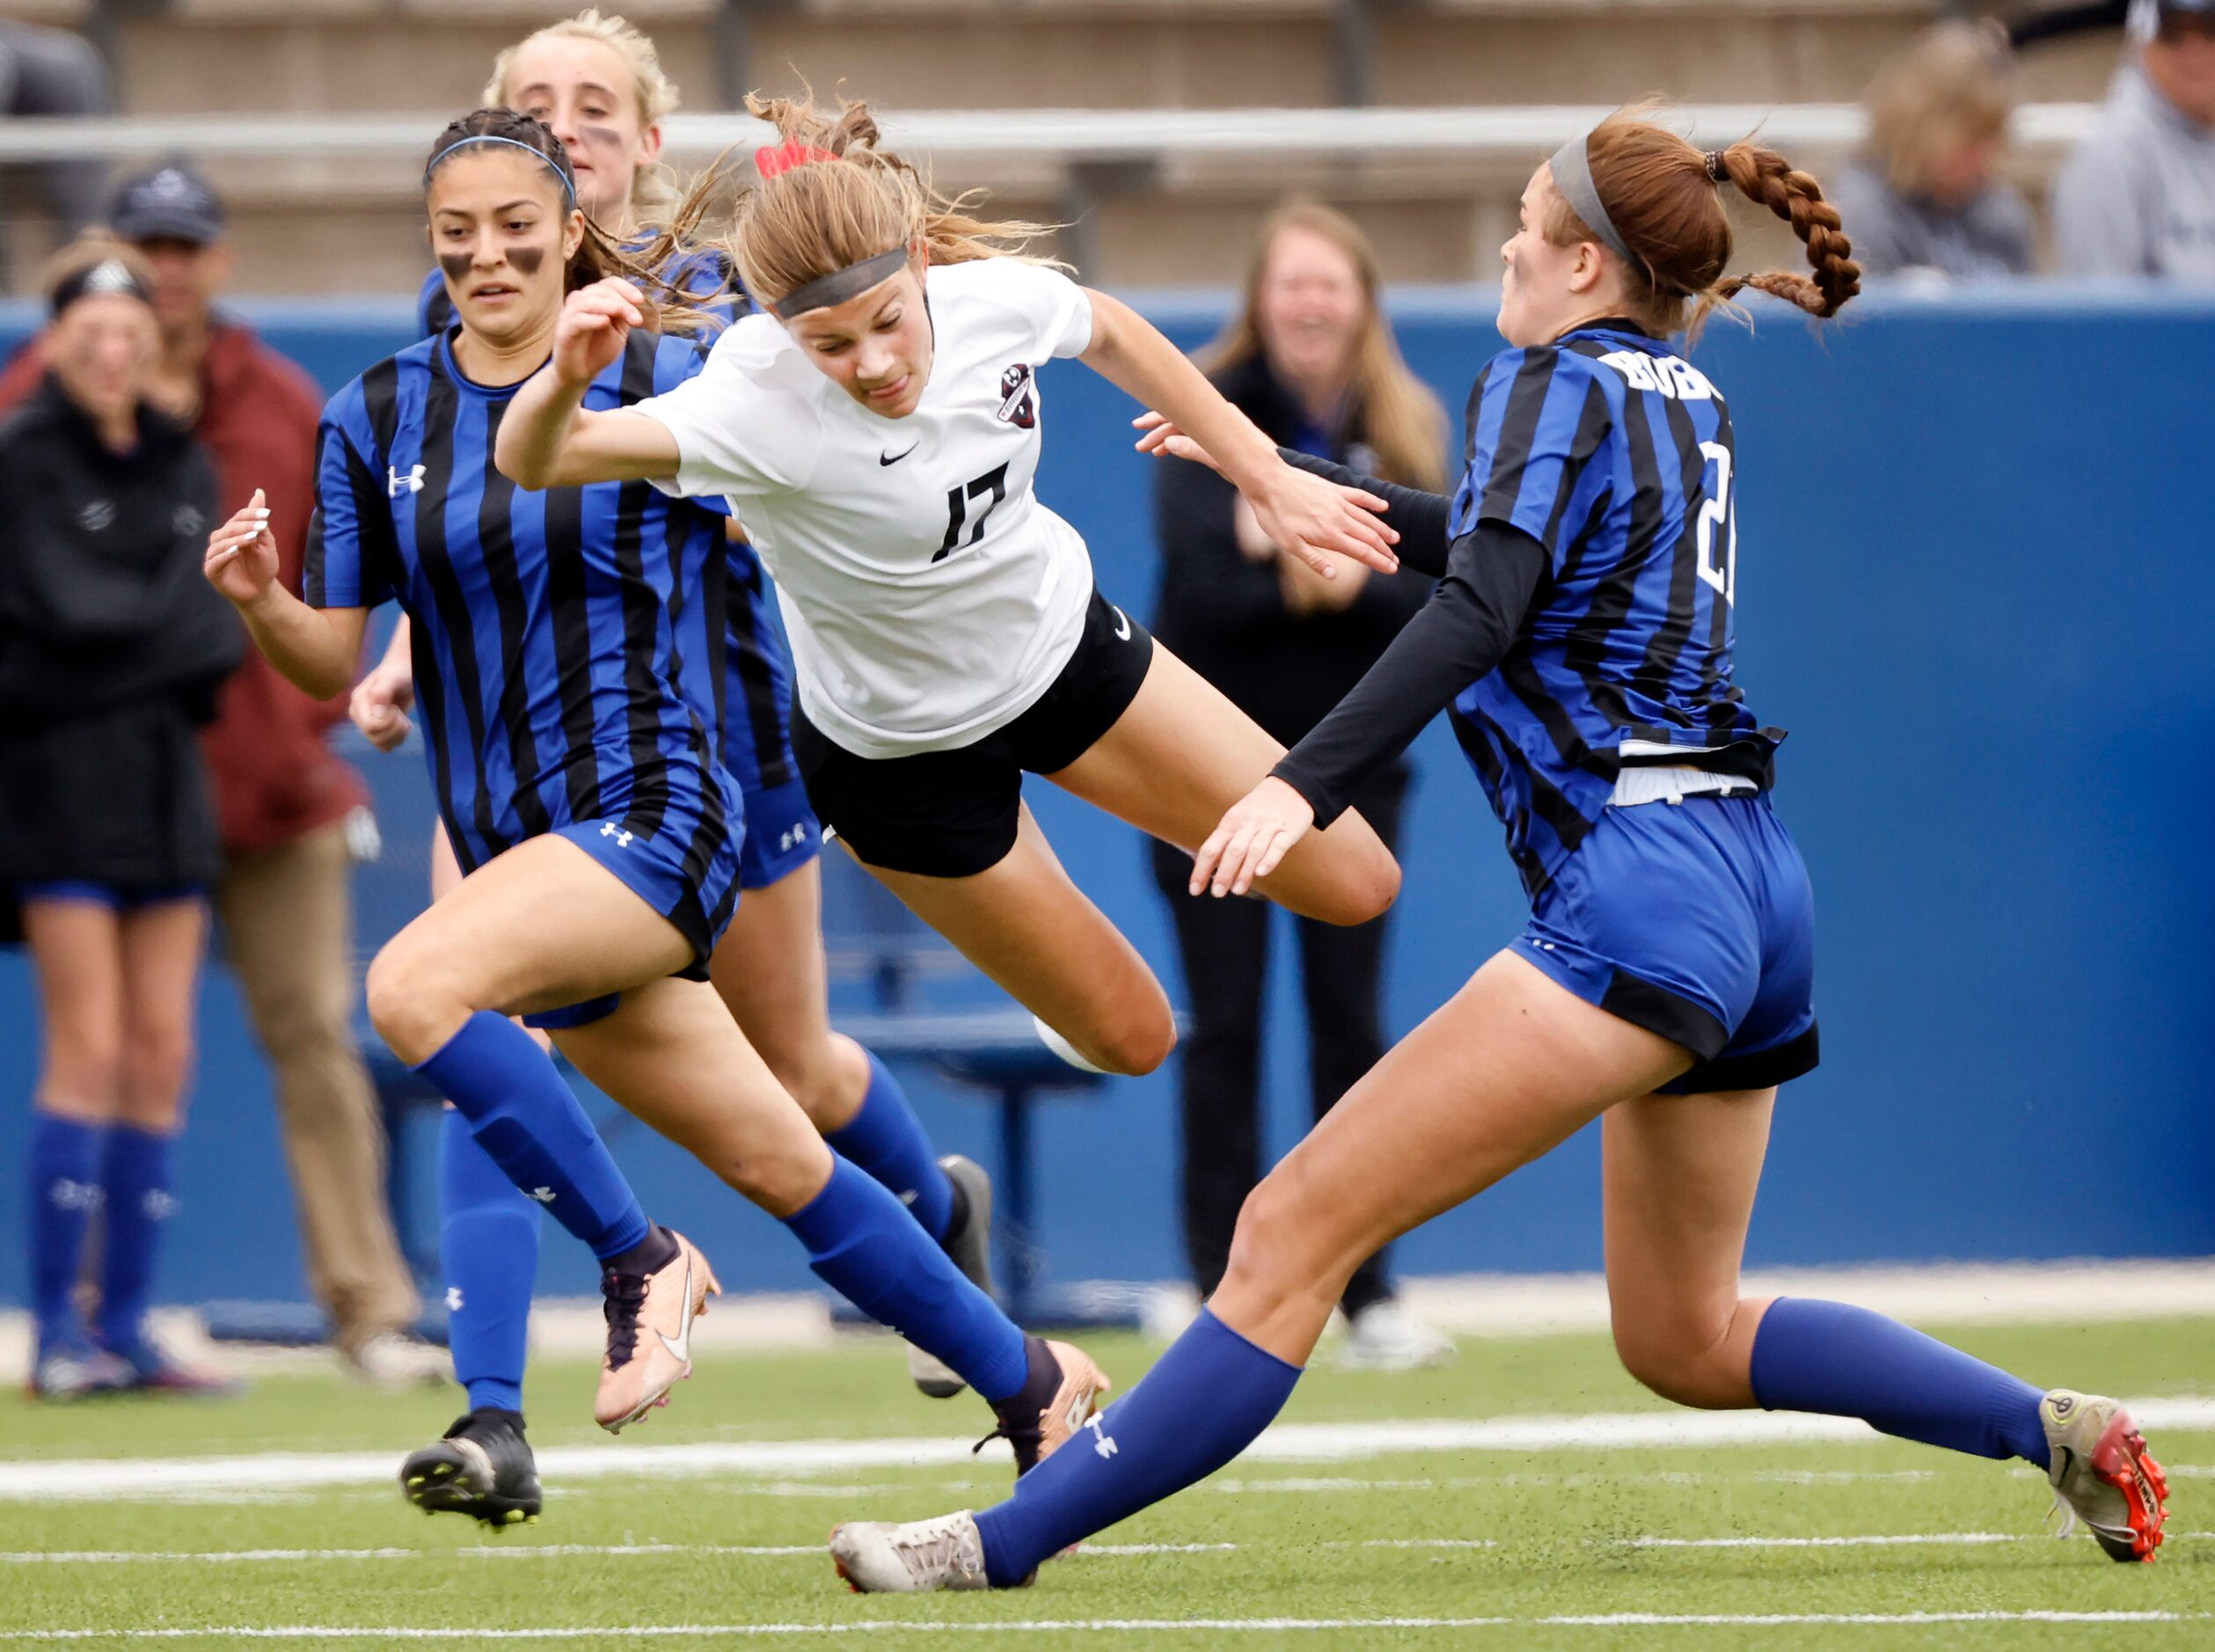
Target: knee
pixel 413 1005
pixel 1135 1045
pixel 1272 1256
pixel 1366 890
pixel 84 1068
pixel 1682 1362
pixel 156 1064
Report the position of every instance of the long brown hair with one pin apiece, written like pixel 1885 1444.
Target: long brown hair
pixel 1388 408
pixel 837 198
pixel 1661 195
pixel 676 310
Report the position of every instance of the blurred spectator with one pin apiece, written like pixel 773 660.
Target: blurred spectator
pixel 283 800
pixel 52 72
pixel 1309 357
pixel 2137 198
pixel 111 654
pixel 1926 194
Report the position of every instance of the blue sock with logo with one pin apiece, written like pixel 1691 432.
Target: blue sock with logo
pixel 488 1251
pixel 862 1243
pixel 885 1138
pixel 524 1116
pixel 1205 1400
pixel 1845 1361
pixel 65 1189
pixel 136 1203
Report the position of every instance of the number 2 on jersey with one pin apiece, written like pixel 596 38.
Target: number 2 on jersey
pixel 957 504
pixel 1723 575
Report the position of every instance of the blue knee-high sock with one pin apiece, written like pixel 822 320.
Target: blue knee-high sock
pixel 862 1243
pixel 1846 1361
pixel 885 1139
pixel 65 1190
pixel 136 1196
pixel 524 1116
pixel 488 1250
pixel 1201 1404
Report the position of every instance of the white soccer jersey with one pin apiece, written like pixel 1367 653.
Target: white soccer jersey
pixel 931 599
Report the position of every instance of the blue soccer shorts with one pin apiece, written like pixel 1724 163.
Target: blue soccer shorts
pixel 1695 921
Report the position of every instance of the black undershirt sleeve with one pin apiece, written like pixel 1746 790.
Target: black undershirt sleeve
pixel 1491 574
pixel 1419 518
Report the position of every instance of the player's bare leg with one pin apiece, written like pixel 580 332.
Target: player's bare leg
pixel 1181 754
pixel 1030 928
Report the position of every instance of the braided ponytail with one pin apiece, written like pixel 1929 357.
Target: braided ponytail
pixel 1661 195
pixel 1764 176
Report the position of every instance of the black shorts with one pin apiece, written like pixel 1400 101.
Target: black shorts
pixel 954 814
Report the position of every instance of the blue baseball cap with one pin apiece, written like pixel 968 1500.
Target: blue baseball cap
pixel 171 202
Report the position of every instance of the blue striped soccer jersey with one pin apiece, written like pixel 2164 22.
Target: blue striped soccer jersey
pixel 1615 454
pixel 566 643
pixel 755 722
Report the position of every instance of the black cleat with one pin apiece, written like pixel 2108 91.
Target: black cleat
pixel 482 1468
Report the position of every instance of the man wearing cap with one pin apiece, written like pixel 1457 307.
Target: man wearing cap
pixel 284 799
pixel 2137 198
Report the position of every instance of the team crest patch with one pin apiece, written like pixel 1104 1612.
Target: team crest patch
pixel 1019 405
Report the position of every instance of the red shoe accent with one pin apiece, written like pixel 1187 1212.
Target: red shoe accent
pixel 2121 1460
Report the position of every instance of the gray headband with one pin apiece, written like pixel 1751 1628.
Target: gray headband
pixel 1573 177
pixel 841 284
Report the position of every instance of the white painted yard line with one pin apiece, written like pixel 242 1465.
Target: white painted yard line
pixel 613 1633
pixel 1089 1550
pixel 1286 1442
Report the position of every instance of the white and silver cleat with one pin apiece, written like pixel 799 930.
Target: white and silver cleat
pixel 916 1557
pixel 2102 1475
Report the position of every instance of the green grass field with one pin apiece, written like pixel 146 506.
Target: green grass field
pixel 721 1546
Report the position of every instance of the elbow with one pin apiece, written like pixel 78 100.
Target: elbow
pixel 321 684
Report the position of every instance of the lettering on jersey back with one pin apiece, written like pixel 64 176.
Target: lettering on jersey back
pixel 1667 376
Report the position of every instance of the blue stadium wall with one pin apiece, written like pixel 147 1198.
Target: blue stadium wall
pixel 1977 572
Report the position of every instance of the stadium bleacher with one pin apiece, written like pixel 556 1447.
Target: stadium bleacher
pixel 334 223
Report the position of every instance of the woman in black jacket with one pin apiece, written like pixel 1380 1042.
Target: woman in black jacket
pixel 1310 358
pixel 112 648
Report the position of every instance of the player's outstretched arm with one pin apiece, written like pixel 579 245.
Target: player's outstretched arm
pixel 548 438
pixel 1304 514
pixel 316 649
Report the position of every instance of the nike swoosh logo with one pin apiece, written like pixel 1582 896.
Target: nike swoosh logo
pixel 1122 624
pixel 894 458
pixel 682 1347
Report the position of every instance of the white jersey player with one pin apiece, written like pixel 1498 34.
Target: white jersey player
pixel 878 431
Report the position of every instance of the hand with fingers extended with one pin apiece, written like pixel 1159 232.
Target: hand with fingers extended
pixel 595 322
pixel 381 703
pixel 1252 839
pixel 1162 440
pixel 241 560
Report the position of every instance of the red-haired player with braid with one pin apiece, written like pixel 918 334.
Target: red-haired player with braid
pixel 1582 635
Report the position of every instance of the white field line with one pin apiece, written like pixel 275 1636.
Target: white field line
pixel 1286 1442
pixel 1089 1550
pixel 616 1633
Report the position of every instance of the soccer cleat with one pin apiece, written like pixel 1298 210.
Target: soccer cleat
pixel 482 1468
pixel 650 1320
pixel 971 1247
pixel 1036 1435
pixel 2103 1474
pixel 916 1557
pixel 154 1371
pixel 1385 1336
pixel 77 1370
pixel 396 1360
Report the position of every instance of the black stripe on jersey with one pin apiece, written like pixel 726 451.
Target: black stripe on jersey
pixel 440 402
pixel 715 597
pixel 1616 592
pixel 496 543
pixel 747 608
pixel 1523 681
pixel 566 607
pixel 1486 761
pixel 642 681
pixel 1518 428
pixel 1547 800
pixel 1667 644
